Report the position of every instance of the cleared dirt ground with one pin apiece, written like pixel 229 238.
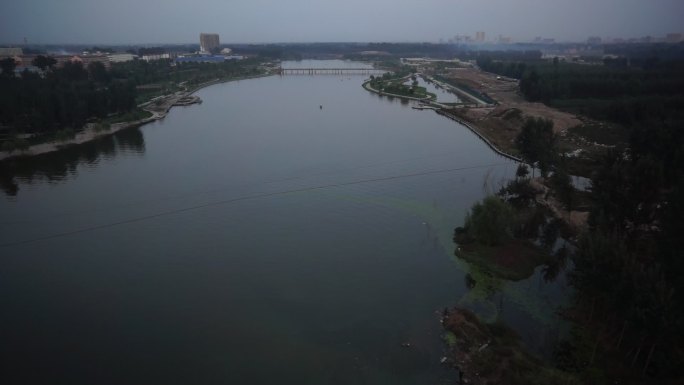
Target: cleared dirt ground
pixel 502 124
pixel 505 91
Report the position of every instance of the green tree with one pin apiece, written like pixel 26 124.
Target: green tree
pixel 98 72
pixel 8 65
pixel 522 171
pixel 537 143
pixel 44 62
pixel 563 186
pixel 74 71
pixel 490 222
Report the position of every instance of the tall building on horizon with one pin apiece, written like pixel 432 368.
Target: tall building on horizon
pixel 480 37
pixel 209 41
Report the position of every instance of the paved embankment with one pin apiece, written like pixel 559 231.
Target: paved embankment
pixel 480 135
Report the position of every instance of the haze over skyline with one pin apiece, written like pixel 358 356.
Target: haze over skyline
pixel 262 21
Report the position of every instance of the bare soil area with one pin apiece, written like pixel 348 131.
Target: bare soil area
pixel 502 124
pixel 505 92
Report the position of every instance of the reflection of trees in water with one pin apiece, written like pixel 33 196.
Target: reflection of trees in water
pixel 131 140
pixel 60 165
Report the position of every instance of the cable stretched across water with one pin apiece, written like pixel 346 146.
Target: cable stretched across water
pixel 238 199
pixel 224 188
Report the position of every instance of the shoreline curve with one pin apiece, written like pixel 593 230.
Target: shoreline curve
pixel 88 134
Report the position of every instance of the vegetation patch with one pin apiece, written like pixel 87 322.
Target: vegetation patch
pixel 101 127
pixel 14 144
pixel 65 135
pixel 393 83
pixel 450 338
pixel 487 239
pixel 515 259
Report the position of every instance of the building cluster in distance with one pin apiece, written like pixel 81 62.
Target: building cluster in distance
pixel 480 38
pixel 210 51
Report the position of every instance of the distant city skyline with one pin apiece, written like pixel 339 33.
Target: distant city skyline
pixel 264 21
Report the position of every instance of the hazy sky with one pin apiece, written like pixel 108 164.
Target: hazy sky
pixel 181 21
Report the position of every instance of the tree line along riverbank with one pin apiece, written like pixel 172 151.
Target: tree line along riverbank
pixel 40 112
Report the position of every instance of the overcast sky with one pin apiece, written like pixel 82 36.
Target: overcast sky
pixel 181 21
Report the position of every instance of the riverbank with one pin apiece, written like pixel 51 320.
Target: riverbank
pixel 158 107
pixel 492 353
pixel 450 113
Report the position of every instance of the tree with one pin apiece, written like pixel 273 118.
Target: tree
pixel 522 171
pixel 563 186
pixel 8 65
pixel 44 62
pixel 74 71
pixel 98 72
pixel 490 222
pixel 537 143
pixel 531 84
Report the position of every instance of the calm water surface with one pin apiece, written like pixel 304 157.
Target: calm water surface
pixel 256 238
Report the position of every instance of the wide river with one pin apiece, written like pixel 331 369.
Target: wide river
pixel 288 230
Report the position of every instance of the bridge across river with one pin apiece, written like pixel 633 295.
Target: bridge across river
pixel 329 71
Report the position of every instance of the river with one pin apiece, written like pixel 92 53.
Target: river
pixel 289 229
